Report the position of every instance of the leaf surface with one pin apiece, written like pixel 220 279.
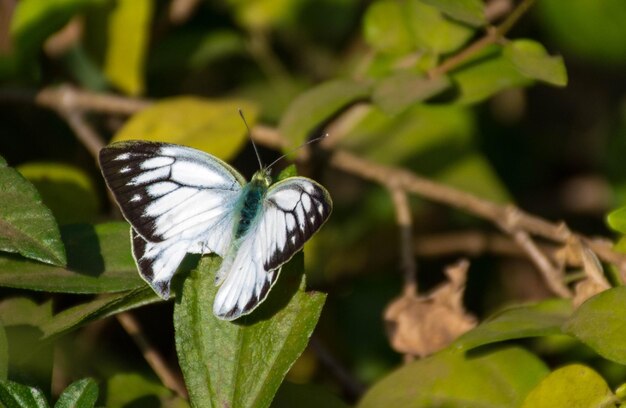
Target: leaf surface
pixel 574 385
pixel 210 125
pixel 500 378
pixel 27 226
pixel 99 261
pixel 79 394
pixel 14 395
pixel 532 60
pixel 242 363
pixel 540 319
pixel 318 105
pixel 467 11
pixel 600 324
pixel 128 30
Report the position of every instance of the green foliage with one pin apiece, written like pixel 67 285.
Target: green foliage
pixel 80 394
pixel 452 379
pixel 242 363
pixel 128 27
pixel 27 225
pixel 99 261
pixel 540 319
pixel 315 106
pixel 570 386
pixel 4 354
pixel 598 323
pixel 66 190
pixel 204 124
pixel 14 395
pixel 421 85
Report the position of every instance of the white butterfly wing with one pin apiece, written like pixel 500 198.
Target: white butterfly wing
pixel 176 198
pixel 293 210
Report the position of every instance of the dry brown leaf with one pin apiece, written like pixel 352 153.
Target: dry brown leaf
pixel 422 325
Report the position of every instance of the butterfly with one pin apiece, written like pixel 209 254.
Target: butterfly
pixel 180 200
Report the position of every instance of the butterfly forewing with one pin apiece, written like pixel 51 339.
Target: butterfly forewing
pixel 168 191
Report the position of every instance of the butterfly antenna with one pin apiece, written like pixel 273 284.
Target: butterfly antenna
pixel 256 151
pixel 298 148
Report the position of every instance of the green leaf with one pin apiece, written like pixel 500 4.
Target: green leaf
pixel 305 396
pixel 129 29
pixel 419 134
pixel 599 323
pixel 318 105
pixel 500 379
pixel 126 389
pixel 467 11
pixel 14 395
pixel 26 225
pixel 533 61
pixel 432 31
pixel 477 82
pixel 66 190
pixel 210 125
pixel 242 363
pixel 384 27
pixel 539 319
pixel 4 353
pixel 35 20
pixel 397 92
pixel 99 260
pixel 401 27
pixel 574 385
pixel 24 311
pixel 617 220
pixel 261 15
pixel 99 308
pixel 79 394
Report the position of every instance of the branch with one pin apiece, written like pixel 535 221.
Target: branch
pixel 152 356
pixel 473 243
pixel 405 225
pixel 493 35
pixel 390 177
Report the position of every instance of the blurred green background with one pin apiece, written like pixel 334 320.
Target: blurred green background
pixel 503 134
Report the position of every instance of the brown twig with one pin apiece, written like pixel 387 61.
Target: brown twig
pixel 83 130
pixel 69 98
pixel 552 275
pixel 474 243
pixel 152 356
pixel 351 385
pixel 405 225
pixel 390 177
pixel 395 177
pixel 492 36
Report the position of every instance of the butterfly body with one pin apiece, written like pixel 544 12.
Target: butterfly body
pixel 179 200
pixel 251 201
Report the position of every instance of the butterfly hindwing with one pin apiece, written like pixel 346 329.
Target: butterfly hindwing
pixel 293 210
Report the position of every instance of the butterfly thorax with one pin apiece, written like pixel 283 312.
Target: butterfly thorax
pixel 251 201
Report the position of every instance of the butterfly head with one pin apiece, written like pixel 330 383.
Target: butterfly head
pixel 262 178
